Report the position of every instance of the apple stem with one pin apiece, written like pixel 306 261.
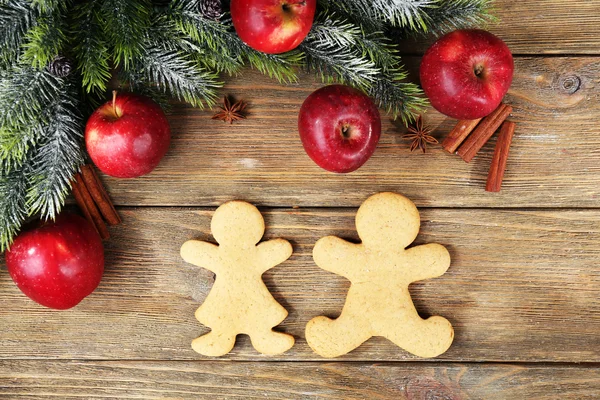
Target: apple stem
pixel 346 131
pixel 114 101
pixel 478 70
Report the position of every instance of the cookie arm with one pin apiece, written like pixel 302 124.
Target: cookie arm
pixel 338 256
pixel 201 254
pixel 273 253
pixel 430 261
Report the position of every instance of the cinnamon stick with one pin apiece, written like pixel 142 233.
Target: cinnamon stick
pixel 496 174
pixel 483 132
pixel 458 135
pixel 87 203
pixel 82 205
pixel 98 193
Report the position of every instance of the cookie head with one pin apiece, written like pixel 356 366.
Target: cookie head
pixel 387 221
pixel 237 223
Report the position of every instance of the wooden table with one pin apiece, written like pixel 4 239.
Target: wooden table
pixel 523 291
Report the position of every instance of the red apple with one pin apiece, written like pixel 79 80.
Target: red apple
pixel 273 26
pixel 339 128
pixel 128 136
pixel 466 73
pixel 57 264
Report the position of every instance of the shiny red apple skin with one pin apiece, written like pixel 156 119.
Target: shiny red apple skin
pixel 59 263
pixel 130 139
pixel 449 78
pixel 273 26
pixel 339 127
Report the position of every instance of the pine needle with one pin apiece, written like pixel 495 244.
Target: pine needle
pixel 91 48
pixel 58 157
pixel 125 25
pixel 13 187
pixel 450 15
pixel 25 96
pixel 44 41
pixel 331 52
pixel 175 73
pixel 16 18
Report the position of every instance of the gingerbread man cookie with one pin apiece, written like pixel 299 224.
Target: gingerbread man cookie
pixel 239 302
pixel 380 270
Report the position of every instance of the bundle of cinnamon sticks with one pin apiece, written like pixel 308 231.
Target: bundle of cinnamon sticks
pixel 92 199
pixel 469 136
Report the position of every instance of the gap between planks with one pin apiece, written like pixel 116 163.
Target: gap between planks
pixel 350 362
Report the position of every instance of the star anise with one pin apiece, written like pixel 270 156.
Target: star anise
pixel 420 135
pixel 231 112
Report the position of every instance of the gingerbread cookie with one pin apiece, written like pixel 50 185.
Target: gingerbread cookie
pixel 380 270
pixel 239 302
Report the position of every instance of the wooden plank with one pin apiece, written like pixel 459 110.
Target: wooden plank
pixel 553 161
pixel 217 380
pixel 523 286
pixel 542 27
pixel 549 26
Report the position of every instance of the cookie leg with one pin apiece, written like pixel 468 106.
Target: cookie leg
pixel 270 342
pixel 335 337
pixel 214 344
pixel 423 338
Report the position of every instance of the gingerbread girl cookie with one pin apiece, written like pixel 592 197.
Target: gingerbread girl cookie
pixel 239 302
pixel 380 269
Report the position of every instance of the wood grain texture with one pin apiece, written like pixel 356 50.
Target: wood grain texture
pixel 290 381
pixel 554 156
pixel 542 27
pixel 549 26
pixel 523 286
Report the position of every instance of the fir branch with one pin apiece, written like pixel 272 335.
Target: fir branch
pixel 450 15
pixel 401 99
pixel 58 158
pixel 331 53
pixel 47 6
pixel 91 49
pixel 16 142
pixel 16 18
pixel 345 10
pixel 26 95
pixel 218 60
pixel 40 183
pixel 278 66
pixel 46 40
pixel 218 46
pixel 399 13
pixel 282 67
pixel 186 15
pixel 377 47
pixel 125 25
pixel 175 73
pixel 186 30
pixel 13 198
pixel 134 82
pixel 376 14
